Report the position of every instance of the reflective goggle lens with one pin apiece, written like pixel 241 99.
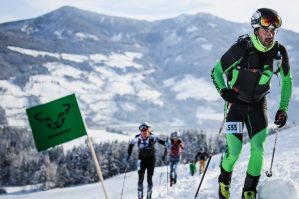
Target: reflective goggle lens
pixel 143 128
pixel 266 21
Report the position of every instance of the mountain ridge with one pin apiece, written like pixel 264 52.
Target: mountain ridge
pixel 123 70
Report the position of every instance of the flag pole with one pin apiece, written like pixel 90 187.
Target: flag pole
pixel 97 165
pixel 96 162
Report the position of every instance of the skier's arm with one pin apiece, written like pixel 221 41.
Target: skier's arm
pixel 196 157
pixel 206 155
pixel 165 153
pixel 287 81
pixel 182 146
pixel 131 145
pixel 130 149
pixel 227 62
pixel 160 141
pixel 217 77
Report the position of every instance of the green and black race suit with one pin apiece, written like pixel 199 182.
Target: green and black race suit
pixel 249 69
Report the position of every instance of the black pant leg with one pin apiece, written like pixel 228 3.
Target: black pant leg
pixel 141 173
pixel 150 173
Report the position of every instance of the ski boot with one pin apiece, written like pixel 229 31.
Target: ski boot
pixel 140 194
pixel 223 191
pixel 171 181
pixel 149 195
pixel 173 178
pixel 249 195
pixel 224 184
pixel 249 190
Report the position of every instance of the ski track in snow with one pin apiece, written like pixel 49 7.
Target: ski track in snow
pixel 285 169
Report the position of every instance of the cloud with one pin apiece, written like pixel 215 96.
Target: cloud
pixel 207 113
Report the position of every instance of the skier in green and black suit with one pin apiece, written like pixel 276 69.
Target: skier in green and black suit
pixel 249 65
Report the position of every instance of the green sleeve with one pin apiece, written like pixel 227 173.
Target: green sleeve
pixel 217 77
pixel 227 62
pixel 286 90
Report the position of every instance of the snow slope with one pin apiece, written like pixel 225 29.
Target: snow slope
pixel 283 184
pixel 97 136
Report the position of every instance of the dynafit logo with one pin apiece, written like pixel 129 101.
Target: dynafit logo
pixel 56 121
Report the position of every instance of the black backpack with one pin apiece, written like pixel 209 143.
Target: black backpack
pixel 251 69
pixel 150 150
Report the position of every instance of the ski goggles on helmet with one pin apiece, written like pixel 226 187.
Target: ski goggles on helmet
pixel 143 127
pixel 269 20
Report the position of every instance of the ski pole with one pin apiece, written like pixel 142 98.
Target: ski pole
pixel 122 190
pixel 161 174
pixel 167 177
pixel 167 164
pixel 269 174
pixel 209 160
pixel 203 175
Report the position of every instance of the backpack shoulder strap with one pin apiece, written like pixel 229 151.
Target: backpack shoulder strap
pixel 245 41
pixel 244 44
pixel 152 140
pixel 139 140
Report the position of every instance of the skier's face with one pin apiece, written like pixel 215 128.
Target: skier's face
pixel 145 133
pixel 266 36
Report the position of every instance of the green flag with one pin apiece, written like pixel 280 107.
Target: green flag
pixel 56 122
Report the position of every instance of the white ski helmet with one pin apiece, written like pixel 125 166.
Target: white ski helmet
pixel 144 126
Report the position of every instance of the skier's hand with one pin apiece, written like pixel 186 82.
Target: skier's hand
pixel 164 160
pixel 280 118
pixel 179 141
pixel 127 163
pixel 229 94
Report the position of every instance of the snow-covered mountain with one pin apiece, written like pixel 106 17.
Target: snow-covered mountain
pixel 123 70
pixel 283 184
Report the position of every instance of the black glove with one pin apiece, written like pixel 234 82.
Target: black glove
pixel 179 141
pixel 164 160
pixel 280 118
pixel 229 94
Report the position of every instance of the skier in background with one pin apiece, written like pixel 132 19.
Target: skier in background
pixel 201 156
pixel 174 148
pixel 192 167
pixel 146 157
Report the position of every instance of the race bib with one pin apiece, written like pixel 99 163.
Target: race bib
pixel 233 127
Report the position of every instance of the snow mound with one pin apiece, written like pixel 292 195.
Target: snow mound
pixel 278 189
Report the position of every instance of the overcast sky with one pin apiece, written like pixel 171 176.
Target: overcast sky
pixel 233 10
